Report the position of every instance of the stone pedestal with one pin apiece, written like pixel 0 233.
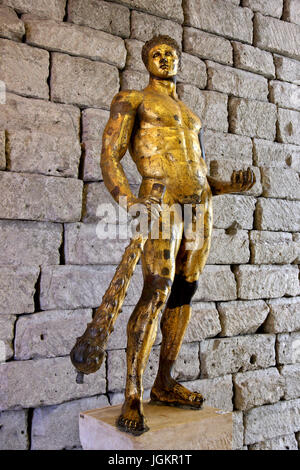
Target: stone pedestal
pixel 170 429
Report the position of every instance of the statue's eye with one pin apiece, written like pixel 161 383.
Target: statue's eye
pixel 169 53
pixel 156 54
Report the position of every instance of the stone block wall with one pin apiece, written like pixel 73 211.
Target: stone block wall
pixel 62 61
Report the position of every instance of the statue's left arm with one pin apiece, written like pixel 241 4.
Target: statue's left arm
pixel 241 181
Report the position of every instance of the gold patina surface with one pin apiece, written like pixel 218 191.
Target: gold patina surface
pixel 162 135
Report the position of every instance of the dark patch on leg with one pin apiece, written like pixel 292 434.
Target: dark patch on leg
pixel 182 292
pixel 167 254
pixel 165 271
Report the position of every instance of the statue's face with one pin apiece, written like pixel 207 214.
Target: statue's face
pixel 163 61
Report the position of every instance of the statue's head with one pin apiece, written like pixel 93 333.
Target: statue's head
pixel 161 56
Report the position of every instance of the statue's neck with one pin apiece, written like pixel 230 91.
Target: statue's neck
pixel 165 86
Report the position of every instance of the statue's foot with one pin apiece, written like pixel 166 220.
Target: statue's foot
pixel 175 394
pixel 132 419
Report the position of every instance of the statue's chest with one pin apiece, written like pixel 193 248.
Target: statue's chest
pixel 162 111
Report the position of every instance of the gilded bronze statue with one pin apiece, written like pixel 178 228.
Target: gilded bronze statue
pixel 164 139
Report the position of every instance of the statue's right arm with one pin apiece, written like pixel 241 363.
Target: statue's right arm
pixel 115 142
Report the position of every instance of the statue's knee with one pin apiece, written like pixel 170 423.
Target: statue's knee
pixel 156 288
pixel 182 292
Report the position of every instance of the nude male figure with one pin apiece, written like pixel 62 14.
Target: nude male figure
pixel 162 134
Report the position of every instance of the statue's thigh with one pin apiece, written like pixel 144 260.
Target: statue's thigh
pixel 193 253
pixel 159 255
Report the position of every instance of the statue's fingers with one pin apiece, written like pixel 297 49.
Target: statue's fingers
pixel 233 177
pixel 241 177
pixel 251 179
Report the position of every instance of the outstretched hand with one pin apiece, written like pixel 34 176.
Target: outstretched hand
pixel 242 180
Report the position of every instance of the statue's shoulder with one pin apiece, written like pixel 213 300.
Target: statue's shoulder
pixel 127 100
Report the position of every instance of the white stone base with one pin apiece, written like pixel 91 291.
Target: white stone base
pixel 170 429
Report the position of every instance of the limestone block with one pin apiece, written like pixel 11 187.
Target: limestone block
pixel 253 59
pixel 2 151
pixel 272 154
pixel 287 215
pixel 288 126
pixel 252 118
pixel 44 382
pixel 13 430
pixel 48 154
pixel 285 95
pixel 236 82
pixel 222 170
pixel 209 16
pixel 75 40
pixel 277 36
pixel 93 123
pixel 230 210
pixel 284 315
pixel 238 430
pixel 238 354
pixel 204 322
pixel 269 421
pixel 217 392
pixel 96 194
pixel 272 247
pixel 292 11
pixel 270 8
pixel 256 282
pixel 258 387
pixel 43 116
pixel 296 240
pixel 187 365
pixel 210 106
pixel 207 46
pixel 192 71
pixel 49 334
pixel 24 69
pixel 29 243
pixel 288 348
pixel 280 183
pixel 88 83
pixel 106 16
pixel 287 69
pixel 56 427
pixel 229 248
pixel 84 246
pixel 134 55
pixel 287 442
pixel 170 9
pixel 291 376
pixel 144 27
pixel 134 80
pixel 71 287
pixel 17 287
pixel 242 317
pixel 10 25
pixel 54 9
pixel 39 197
pixel 216 283
pixel 7 323
pixel 227 146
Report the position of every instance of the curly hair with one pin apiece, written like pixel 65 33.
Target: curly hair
pixel 155 41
